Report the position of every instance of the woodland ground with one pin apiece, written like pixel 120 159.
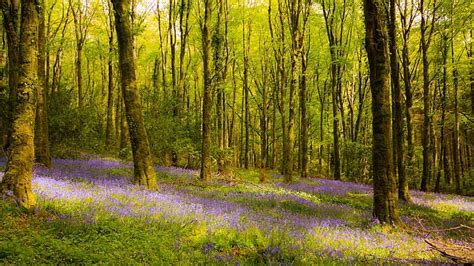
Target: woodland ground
pixel 89 212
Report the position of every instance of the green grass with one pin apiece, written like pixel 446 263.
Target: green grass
pixel 53 234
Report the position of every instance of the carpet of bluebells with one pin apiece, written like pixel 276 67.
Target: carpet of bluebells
pixel 90 212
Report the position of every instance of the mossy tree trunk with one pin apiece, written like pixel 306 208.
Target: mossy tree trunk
pixel 144 173
pixel 207 95
pixel 385 185
pixel 43 155
pixel 11 22
pixel 19 169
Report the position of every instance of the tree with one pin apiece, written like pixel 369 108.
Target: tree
pixel 407 18
pixel 218 47
pixel 425 39
pixel 144 174
pixel 19 169
pixel 403 193
pixel 304 124
pixel 385 193
pixel 82 20
pixel 43 155
pixel 207 95
pixel 109 129
pixel 11 22
pixel 335 37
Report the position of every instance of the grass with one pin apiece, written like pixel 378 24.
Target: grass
pixel 89 212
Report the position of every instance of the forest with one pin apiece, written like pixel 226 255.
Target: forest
pixel 307 132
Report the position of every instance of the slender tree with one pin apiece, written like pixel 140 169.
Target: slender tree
pixel 218 48
pixel 398 142
pixel 425 39
pixel 206 162
pixel 407 18
pixel 43 155
pixel 109 128
pixel 82 20
pixel 385 190
pixel 144 174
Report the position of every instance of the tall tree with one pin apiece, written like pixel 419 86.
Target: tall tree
pixel 218 47
pixel 144 174
pixel 407 18
pixel 443 158
pixel 456 152
pixel 304 121
pixel 245 92
pixel 385 190
pixel 11 22
pixel 82 20
pixel 207 95
pixel 19 169
pixel 294 12
pixel 398 142
pixel 43 155
pixel 57 65
pixel 335 35
pixel 109 128
pixel 426 32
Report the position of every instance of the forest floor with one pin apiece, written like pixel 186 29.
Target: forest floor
pixel 89 212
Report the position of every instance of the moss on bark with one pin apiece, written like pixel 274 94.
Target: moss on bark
pixel 144 174
pixel 19 169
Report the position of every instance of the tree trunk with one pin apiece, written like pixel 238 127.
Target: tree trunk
pixel 57 65
pixel 406 23
pixel 144 173
pixel 426 140
pixel 206 162
pixel 264 125
pixel 10 10
pixel 456 155
pixel 19 169
pixel 443 161
pixel 172 42
pixel 80 97
pixel 217 44
pixel 385 190
pixel 109 129
pixel 42 153
pixel 403 192
pixel 304 119
pixel 246 44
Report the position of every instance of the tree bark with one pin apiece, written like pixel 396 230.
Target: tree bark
pixel 144 173
pixel 11 22
pixel 206 162
pixel 109 129
pixel 43 155
pixel 403 193
pixel 19 169
pixel 328 12
pixel 406 22
pixel 385 190
pixel 218 47
pixel 456 153
pixel 426 140
pixel 246 89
